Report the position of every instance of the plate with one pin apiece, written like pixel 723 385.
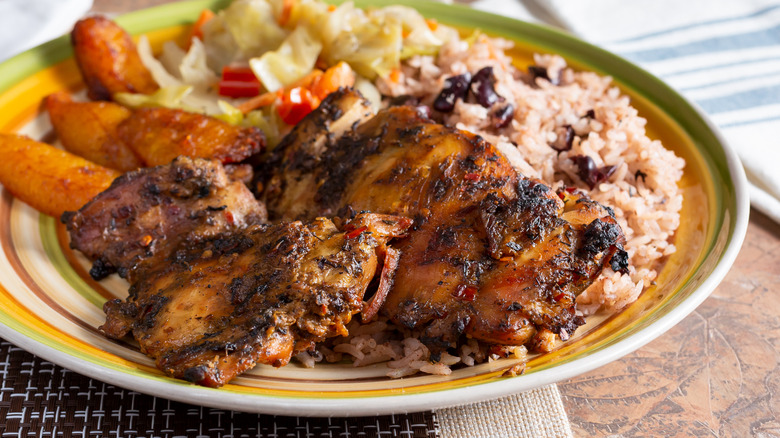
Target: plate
pixel 50 307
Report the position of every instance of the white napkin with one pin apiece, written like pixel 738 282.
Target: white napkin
pixel 27 23
pixel 723 55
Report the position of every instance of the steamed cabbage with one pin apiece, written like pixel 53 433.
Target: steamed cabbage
pixel 168 97
pixel 253 26
pixel 293 60
pixel 281 51
pixel 373 42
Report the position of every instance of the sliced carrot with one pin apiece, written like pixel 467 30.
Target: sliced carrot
pixel 395 75
pixel 340 75
pixel 197 29
pixel 284 17
pixel 260 101
pixel 432 24
pixel 307 80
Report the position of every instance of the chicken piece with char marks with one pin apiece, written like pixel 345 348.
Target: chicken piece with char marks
pixel 492 255
pixel 300 150
pixel 216 309
pixel 148 213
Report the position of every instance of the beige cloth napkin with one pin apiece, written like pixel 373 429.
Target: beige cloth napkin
pixel 535 413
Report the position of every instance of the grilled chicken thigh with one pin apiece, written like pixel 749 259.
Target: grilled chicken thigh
pixel 148 213
pixel 215 309
pixel 491 254
pixel 300 151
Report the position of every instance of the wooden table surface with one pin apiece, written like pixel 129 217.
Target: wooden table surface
pixel 717 373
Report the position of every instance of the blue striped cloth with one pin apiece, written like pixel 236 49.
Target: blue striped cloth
pixel 724 55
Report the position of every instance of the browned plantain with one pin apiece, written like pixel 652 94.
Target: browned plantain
pixel 89 130
pixel 108 59
pixel 158 135
pixel 49 179
pixel 116 137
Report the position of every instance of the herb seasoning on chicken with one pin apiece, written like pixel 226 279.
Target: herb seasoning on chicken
pixel 491 254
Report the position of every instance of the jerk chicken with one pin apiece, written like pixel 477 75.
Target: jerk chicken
pixel 213 290
pixel 149 213
pixel 259 296
pixel 491 254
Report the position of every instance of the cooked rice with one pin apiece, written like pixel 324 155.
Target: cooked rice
pixel 643 190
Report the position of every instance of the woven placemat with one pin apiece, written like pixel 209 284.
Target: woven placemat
pixel 40 399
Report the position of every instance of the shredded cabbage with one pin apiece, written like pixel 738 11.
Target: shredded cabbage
pixel 221 48
pixel 193 68
pixel 253 26
pixel 268 121
pixel 419 39
pixel 293 60
pixel 159 73
pixel 369 91
pixel 169 97
pixel 370 44
pixel 171 57
pixel 230 114
pixel 199 96
pixel 373 43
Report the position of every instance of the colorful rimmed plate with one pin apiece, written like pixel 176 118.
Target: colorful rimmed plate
pixel 49 306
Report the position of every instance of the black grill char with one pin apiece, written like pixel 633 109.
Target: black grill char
pixel 484 238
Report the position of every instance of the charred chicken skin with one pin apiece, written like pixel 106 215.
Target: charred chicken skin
pixel 483 252
pixel 149 213
pixel 491 254
pixel 216 309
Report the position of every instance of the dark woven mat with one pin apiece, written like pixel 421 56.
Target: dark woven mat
pixel 40 399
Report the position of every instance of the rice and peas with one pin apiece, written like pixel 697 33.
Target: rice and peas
pixel 552 123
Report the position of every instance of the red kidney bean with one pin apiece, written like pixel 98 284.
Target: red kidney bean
pixel 483 87
pixel 455 87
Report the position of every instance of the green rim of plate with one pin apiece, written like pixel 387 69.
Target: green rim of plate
pixel 536 37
